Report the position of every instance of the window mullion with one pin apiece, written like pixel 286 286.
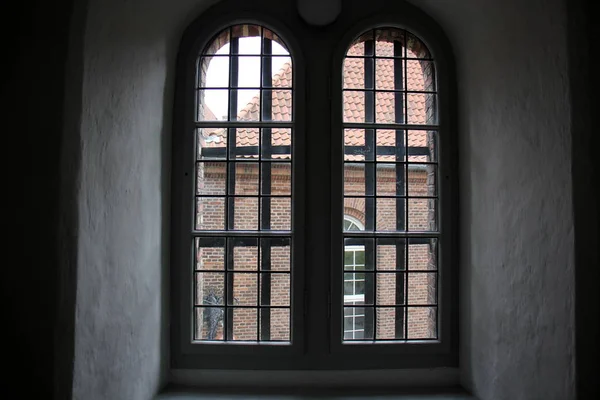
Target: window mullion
pixel 318 195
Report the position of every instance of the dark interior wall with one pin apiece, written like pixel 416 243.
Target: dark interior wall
pixel 34 45
pixel 585 199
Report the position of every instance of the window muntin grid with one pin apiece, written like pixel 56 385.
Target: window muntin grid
pixel 390 183
pixel 354 290
pixel 242 231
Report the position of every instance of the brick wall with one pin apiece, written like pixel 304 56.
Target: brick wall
pixel 421 287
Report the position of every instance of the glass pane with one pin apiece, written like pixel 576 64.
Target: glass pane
pixel 245 254
pixel 354 106
pixel 275 289
pixel 422 323
pixel 390 323
pixel 421 108
pixel 276 213
pixel 354 285
pixel 212 104
pixel 391 254
pixel 422 180
pixel 281 105
pixel 278 47
pixel 358 254
pixel 212 143
pixel 246 143
pixel 210 178
pixel 422 288
pixel 245 288
pixel 355 183
pixel 355 146
pixel 358 323
pixel 247 104
pixel 415 47
pixel 369 72
pixel 391 288
pixel 422 215
pixel 422 254
pixel 210 253
pixel 421 76
pixel 246 178
pixel 390 145
pixel 244 324
pixel 209 288
pixel 213 71
pixel 210 213
pixel 390 179
pixel 245 213
pixel 390 214
pixel 208 323
pixel 423 146
pixel 281 70
pixel 385 104
pixel 358 288
pixel 248 38
pixel 275 324
pixel 248 72
pixel 385 69
pixel 276 179
pixel 275 254
pixel 389 42
pixel 220 43
pixel 354 70
pixel 352 224
pixel 358 206
pixel 358 48
pixel 280 140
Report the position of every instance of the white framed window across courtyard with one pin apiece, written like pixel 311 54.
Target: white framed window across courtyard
pixel 314 201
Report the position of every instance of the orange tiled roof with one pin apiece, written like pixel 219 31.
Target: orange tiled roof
pixel 353 77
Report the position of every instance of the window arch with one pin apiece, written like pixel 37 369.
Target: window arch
pixel 353 224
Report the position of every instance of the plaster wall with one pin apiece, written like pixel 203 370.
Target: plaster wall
pixel 517 253
pixel 121 341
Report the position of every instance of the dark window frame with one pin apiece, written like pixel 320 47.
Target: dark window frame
pixel 317 86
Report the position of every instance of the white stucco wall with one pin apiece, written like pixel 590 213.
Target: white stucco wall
pixel 517 243
pixel 121 335
pixel 517 280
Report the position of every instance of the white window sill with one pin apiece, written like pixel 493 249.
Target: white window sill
pixel 406 384
pixel 304 394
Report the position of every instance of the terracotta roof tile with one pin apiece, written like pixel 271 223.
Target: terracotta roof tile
pixel 353 78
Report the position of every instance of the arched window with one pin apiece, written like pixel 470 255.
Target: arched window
pixel 313 207
pixel 390 179
pixel 235 237
pixel 243 198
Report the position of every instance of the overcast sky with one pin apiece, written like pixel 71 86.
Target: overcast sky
pixel 217 74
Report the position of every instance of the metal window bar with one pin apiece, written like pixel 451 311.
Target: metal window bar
pixel 265 220
pixel 402 185
pixel 403 50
